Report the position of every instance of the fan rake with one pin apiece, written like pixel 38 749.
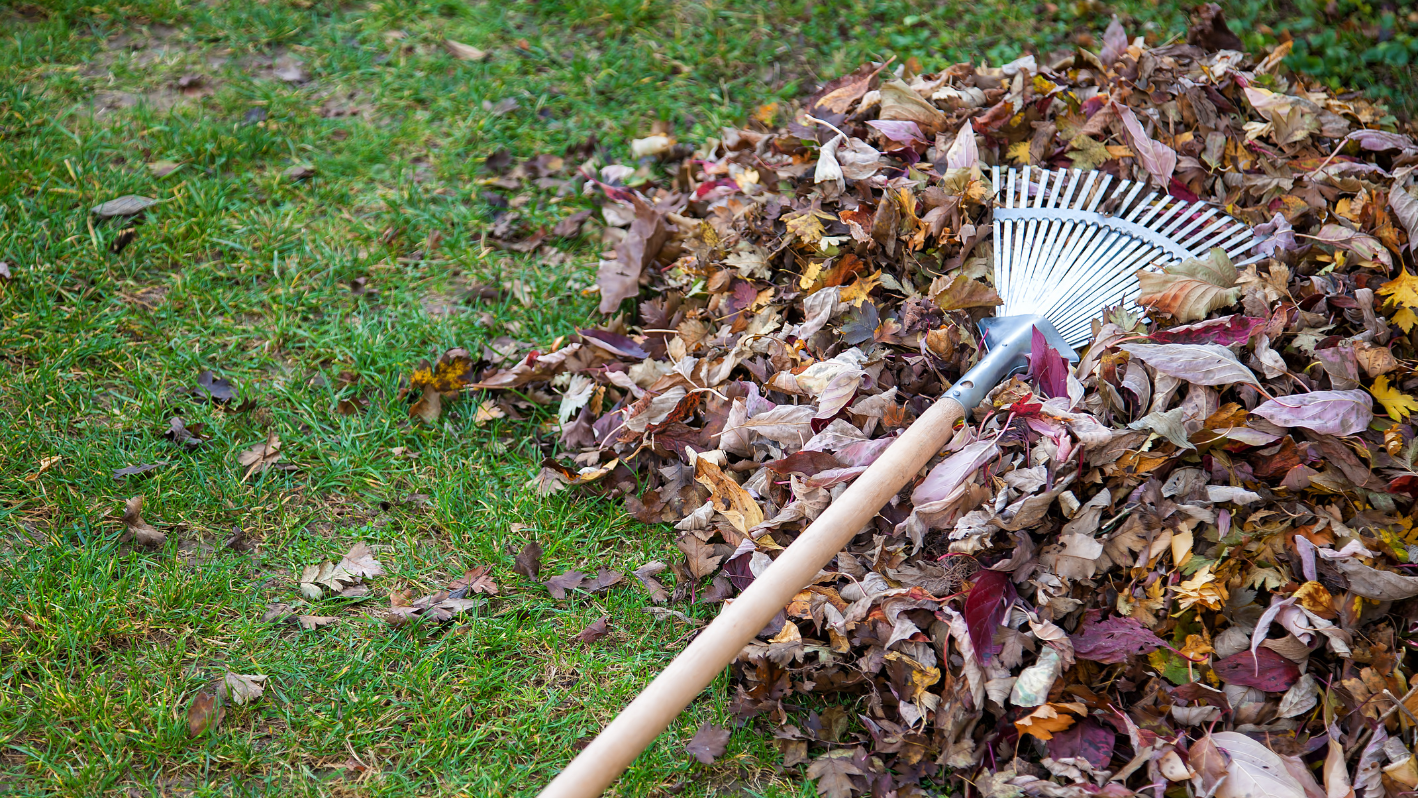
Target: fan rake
pixel 1068 244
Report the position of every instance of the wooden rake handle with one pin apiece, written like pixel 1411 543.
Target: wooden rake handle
pixel 593 770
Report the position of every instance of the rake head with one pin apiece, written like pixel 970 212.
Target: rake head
pixel 1068 243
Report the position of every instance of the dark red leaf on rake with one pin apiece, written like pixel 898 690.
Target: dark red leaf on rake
pixel 1047 367
pixel 985 609
pixel 1263 670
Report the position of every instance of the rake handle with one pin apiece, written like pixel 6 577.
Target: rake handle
pixel 593 770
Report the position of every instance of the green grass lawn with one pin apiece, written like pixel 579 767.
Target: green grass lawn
pixel 282 286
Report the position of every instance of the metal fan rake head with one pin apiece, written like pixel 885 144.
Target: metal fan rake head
pixel 1069 243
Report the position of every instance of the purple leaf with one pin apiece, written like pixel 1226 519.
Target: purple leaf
pixel 952 471
pixel 615 343
pixel 1263 670
pixel 709 743
pixel 1378 141
pixel 985 609
pixel 1275 234
pixel 1047 368
pixel 1225 331
pixel 1114 640
pixel 1085 740
pixel 1325 412
pixel 900 131
pixel 1115 43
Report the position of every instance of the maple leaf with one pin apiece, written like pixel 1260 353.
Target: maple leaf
pixel 1397 404
pixel 833 774
pixel 708 744
pixel 1202 589
pixel 1088 153
pixel 1045 721
pixel 857 292
pixel 1019 153
pixel 260 457
pixel 1402 290
pixel 474 581
pixel 807 225
pixel 240 688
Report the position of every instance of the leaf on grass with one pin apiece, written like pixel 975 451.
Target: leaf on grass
pixel 205 713
pixel 1114 641
pixel 472 582
pixel 452 373
pixel 187 436
pixel 593 631
pixel 603 579
pixel 241 688
pixel 344 577
pixel 312 622
pixel 1203 364
pixel 127 205
pixel 559 584
pixel 1325 412
pixel 464 52
pixel 1263 670
pixel 260 457
pixel 134 470
pixel 212 387
pixel 1397 404
pixel 139 530
pixel 833 773
pixel 528 562
pixel 985 608
pixel 646 574
pixel 1190 290
pixel 708 744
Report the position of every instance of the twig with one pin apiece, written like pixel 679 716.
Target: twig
pixel 1369 730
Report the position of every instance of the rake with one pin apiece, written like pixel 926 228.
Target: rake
pixel 1067 245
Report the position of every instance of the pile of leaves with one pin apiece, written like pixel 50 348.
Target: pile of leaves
pixel 1181 566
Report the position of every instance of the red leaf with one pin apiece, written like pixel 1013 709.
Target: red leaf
pixel 1263 670
pixel 985 609
pixel 1046 367
pixel 1114 640
pixel 594 631
pixel 1086 740
pixel 1225 331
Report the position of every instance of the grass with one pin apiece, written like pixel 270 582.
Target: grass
pixel 240 270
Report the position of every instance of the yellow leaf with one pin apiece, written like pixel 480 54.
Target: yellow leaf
pixel 811 275
pixel 1405 319
pixel 1202 589
pixel 1045 721
pixel 807 225
pixel 1019 153
pixel 1397 404
pixel 1402 290
pixel 858 290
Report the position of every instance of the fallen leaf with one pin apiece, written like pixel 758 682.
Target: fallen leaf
pixel 558 585
pixel 528 561
pixel 1254 771
pixel 189 437
pixel 472 582
pixel 1264 670
pixel 464 52
pixel 127 205
pixel 708 744
pixel 1203 364
pixel 833 775
pixel 646 574
pixel 1397 404
pixel 1115 640
pixel 1325 412
pixel 140 531
pixel 212 387
pixel 134 470
pixel 593 631
pixel 205 713
pixel 241 689
pixel 260 457
pixel 1190 290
